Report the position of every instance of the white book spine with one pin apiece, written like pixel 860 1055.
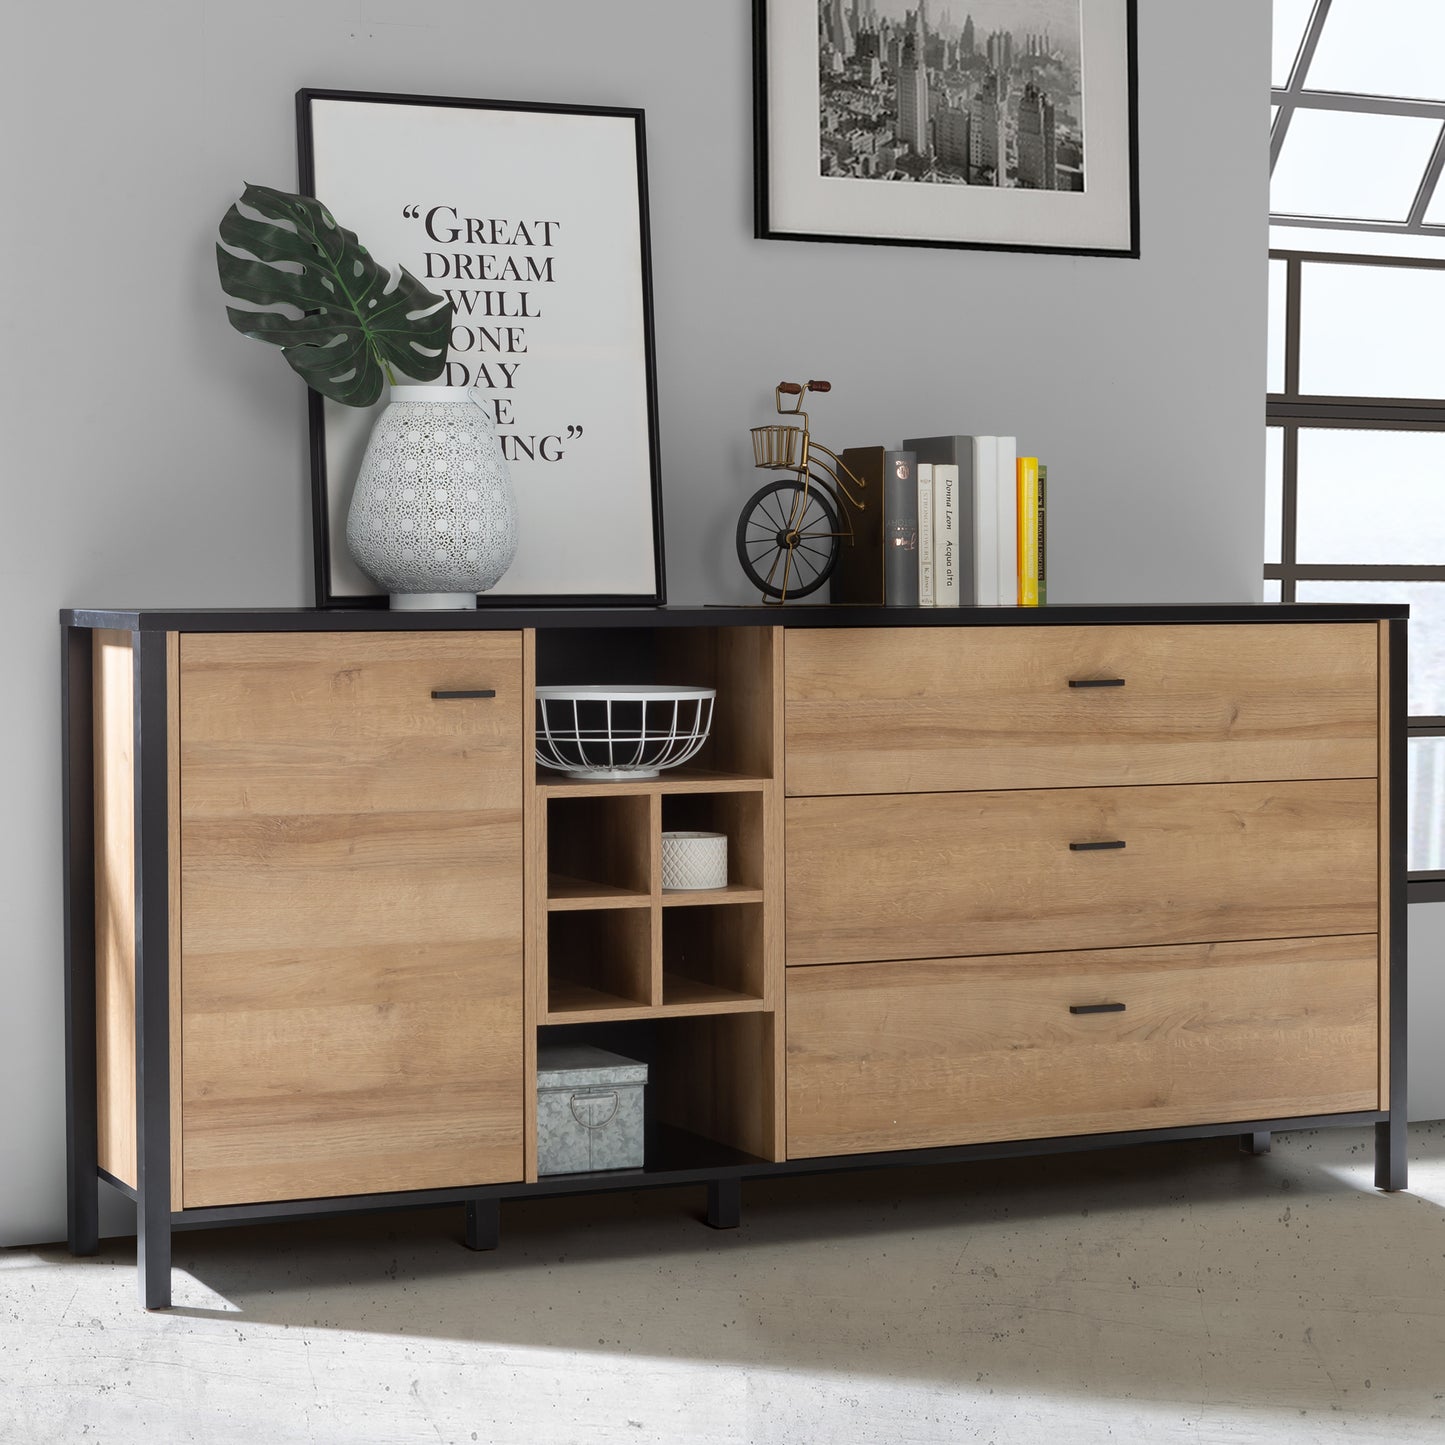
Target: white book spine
pixel 1008 522
pixel 985 520
pixel 945 536
pixel 925 535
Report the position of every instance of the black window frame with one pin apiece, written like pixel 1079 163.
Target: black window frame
pixel 1291 410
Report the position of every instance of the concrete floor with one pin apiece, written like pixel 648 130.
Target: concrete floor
pixel 1162 1294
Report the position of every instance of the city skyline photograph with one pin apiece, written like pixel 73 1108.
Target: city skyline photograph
pixel 978 93
pixel 1061 18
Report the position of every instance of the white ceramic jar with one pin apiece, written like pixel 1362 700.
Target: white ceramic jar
pixel 694 861
pixel 433 518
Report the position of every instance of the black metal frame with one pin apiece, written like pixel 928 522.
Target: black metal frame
pixel 320 499
pixel 763 230
pixel 77 770
pixel 1294 95
pixel 1290 411
pixel 152 971
pixel 1392 1133
pixel 681 1159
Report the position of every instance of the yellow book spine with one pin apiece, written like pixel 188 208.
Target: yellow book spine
pixel 1028 550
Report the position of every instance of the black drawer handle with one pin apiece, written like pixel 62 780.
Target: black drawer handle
pixel 444 695
pixel 1096 847
pixel 1096 1008
pixel 1097 682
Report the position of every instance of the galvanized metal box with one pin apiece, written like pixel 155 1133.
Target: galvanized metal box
pixel 589 1110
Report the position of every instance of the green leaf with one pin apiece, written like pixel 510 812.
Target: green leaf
pixel 356 319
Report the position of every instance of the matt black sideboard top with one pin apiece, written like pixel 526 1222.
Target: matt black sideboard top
pixel 499 618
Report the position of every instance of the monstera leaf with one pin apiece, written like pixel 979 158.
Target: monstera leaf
pixel 356 318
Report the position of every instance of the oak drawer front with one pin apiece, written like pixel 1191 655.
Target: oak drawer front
pixel 891 710
pixel 922 1055
pixel 938 875
pixel 351 913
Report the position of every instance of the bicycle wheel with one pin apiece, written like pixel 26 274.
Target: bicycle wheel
pixel 783 554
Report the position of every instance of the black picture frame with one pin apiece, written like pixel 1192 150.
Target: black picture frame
pixel 325 531
pixel 770 225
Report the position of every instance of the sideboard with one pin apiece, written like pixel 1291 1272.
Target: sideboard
pixel 1002 881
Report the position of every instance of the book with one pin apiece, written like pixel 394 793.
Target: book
pixel 1043 534
pixel 927 594
pixel 1006 533
pixel 900 530
pixel 985 521
pixel 947 550
pixel 858 573
pixel 1028 531
pixel 957 452
pixel 878 564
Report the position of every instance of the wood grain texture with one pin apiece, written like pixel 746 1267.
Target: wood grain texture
pixel 351 914
pixel 925 1054
pixel 716 1078
pixel 738 815
pixel 575 1003
pixel 603 959
pixel 937 875
pixel 739 663
pixel 606 840
pixel 889 710
pixel 686 779
pixel 720 948
pixel 114 723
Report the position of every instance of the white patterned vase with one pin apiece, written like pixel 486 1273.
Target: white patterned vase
pixel 433 518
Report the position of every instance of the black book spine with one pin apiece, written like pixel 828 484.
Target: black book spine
pixel 900 530
pixel 1043 534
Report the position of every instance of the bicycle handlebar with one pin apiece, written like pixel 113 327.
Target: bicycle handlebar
pixel 789 388
pixel 820 386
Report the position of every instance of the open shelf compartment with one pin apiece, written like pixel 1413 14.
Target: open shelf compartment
pixel 599 961
pixel 712 956
pixel 599 852
pixel 739 817
pixel 743 664
pixel 712 1085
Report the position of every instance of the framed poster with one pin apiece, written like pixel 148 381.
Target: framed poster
pixel 1005 125
pixel 532 220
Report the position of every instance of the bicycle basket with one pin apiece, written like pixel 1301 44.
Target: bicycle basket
pixel 776 447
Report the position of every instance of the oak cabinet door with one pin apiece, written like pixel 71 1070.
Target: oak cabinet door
pixel 351 914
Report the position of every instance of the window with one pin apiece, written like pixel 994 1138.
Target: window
pixel 1355 455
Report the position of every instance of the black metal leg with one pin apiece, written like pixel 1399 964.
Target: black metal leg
pixel 1392 1166
pixel 153 1250
pixel 1392 1136
pixel 152 974
pixel 484 1223
pixel 1255 1143
pixel 725 1203
pixel 77 766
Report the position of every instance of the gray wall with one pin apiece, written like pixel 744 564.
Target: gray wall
pixel 155 457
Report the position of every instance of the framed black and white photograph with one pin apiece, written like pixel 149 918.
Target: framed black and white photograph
pixel 532 220
pixel 991 124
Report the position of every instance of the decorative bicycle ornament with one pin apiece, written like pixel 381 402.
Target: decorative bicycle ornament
pixel 789 529
pixel 606 734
